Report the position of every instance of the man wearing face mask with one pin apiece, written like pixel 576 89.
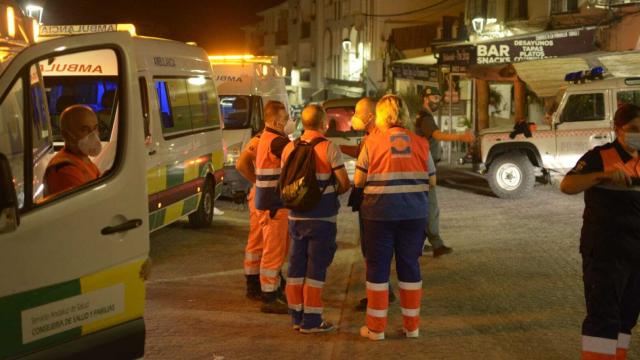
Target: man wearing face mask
pixel 71 167
pixel 426 126
pixel 273 216
pixel 610 238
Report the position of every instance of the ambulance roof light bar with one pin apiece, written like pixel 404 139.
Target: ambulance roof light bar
pixel 596 73
pixel 246 58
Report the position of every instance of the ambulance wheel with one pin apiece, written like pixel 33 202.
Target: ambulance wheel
pixel 203 217
pixel 511 176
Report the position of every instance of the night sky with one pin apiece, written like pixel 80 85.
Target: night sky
pixel 213 24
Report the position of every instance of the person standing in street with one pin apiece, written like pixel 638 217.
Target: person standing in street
pixel 246 166
pixel 273 217
pixel 610 238
pixel 426 126
pixel 313 232
pixel 364 119
pixel 392 181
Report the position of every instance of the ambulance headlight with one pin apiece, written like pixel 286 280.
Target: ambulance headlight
pixel 233 154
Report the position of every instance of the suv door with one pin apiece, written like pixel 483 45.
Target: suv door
pixel 583 123
pixel 72 269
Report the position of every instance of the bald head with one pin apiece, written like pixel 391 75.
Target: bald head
pixel 313 117
pixel 76 122
pixel 364 115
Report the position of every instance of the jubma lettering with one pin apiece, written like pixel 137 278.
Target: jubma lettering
pixel 72 68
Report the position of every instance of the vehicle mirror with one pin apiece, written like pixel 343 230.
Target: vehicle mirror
pixel 9 216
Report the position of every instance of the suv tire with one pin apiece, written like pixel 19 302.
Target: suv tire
pixel 203 217
pixel 511 176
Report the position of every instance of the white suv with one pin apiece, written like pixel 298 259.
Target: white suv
pixel 584 119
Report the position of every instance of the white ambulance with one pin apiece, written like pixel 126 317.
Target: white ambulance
pixel 183 134
pixel 74 264
pixel 245 84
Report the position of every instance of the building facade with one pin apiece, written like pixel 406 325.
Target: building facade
pixel 346 48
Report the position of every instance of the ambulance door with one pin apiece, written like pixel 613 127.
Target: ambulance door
pixel 584 122
pixel 73 262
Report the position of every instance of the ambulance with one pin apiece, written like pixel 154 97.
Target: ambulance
pixel 245 83
pixel 74 264
pixel 183 135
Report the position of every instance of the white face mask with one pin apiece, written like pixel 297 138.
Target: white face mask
pixel 90 145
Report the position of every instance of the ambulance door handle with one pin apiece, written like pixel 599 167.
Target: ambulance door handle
pixel 152 152
pixel 601 137
pixel 125 226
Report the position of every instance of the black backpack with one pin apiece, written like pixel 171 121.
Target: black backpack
pixel 298 185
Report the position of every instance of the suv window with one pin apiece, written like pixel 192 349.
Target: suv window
pixel 584 107
pixel 339 122
pixel 628 97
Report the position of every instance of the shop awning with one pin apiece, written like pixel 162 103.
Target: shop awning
pixel 546 77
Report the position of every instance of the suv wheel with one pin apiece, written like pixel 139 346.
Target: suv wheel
pixel 511 176
pixel 203 217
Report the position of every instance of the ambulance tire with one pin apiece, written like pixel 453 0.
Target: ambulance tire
pixel 203 217
pixel 511 176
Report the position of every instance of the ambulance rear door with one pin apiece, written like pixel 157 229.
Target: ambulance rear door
pixel 72 263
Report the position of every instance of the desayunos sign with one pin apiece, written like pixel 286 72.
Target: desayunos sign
pixel 541 46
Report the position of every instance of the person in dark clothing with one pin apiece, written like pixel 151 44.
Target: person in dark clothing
pixel 426 126
pixel 610 238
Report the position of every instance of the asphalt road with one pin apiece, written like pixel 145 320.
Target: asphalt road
pixel 510 290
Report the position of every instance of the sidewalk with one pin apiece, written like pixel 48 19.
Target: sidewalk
pixel 510 290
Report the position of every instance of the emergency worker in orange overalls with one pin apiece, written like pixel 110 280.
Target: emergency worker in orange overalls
pixel 313 232
pixel 246 166
pixel 610 239
pixel 273 217
pixel 71 167
pixel 393 176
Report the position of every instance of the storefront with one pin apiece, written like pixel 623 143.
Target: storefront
pixel 501 95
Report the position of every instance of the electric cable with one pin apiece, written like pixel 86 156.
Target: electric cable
pixel 408 12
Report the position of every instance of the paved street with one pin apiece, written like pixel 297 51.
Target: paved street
pixel 511 289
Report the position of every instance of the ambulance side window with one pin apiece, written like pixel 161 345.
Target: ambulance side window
pixel 12 135
pixel 175 112
pixel 203 103
pixel 584 107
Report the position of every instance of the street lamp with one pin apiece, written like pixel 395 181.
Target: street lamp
pixel 478 25
pixel 35 11
pixel 346 44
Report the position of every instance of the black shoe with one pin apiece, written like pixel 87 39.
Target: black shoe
pixel 253 287
pixel 273 303
pixel 362 305
pixel 442 250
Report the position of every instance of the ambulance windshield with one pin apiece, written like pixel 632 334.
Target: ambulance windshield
pixel 235 111
pixel 339 122
pixel 99 93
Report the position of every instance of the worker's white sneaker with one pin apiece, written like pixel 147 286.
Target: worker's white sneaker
pixel 365 332
pixel 411 334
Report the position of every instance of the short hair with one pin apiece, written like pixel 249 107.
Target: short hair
pixel 391 111
pixel 271 110
pixel 313 116
pixel 624 115
pixel 72 113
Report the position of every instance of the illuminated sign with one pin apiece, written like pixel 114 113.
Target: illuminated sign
pixel 63 30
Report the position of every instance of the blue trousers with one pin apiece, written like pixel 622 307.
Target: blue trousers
pixel 384 238
pixel 313 245
pixel 612 294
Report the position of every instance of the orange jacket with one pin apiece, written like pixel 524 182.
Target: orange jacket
pixel 67 171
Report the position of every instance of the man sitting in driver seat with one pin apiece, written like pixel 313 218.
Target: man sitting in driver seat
pixel 71 167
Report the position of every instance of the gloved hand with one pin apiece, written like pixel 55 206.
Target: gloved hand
pixel 355 198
